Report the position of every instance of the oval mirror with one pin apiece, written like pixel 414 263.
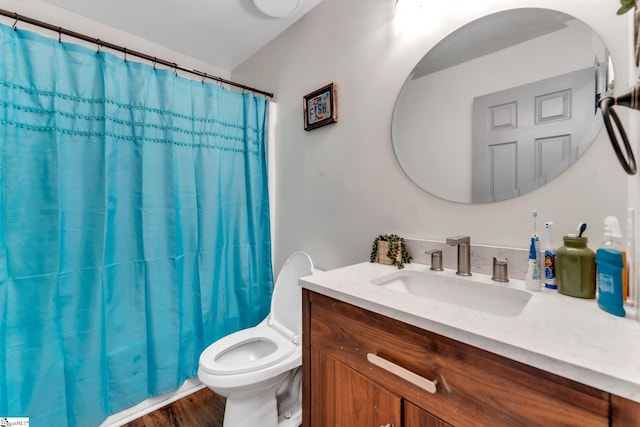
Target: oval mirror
pixel 501 106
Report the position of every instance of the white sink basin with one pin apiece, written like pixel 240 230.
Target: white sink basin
pixel 463 292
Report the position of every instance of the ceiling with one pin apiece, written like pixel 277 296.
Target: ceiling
pixel 490 34
pixel 223 33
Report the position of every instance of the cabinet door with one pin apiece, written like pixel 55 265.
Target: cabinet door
pixel 624 412
pixel 341 397
pixel 475 387
pixel 418 417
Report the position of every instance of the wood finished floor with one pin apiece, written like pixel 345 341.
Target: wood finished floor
pixel 203 408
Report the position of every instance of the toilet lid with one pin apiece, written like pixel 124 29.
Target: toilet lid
pixel 234 353
pixel 286 301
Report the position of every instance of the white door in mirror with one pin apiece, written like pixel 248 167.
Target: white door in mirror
pixel 277 8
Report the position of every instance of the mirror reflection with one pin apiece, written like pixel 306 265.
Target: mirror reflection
pixel 501 106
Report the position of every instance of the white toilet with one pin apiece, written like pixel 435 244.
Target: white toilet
pixel 258 369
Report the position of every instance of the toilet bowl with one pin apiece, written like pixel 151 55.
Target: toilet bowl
pixel 258 369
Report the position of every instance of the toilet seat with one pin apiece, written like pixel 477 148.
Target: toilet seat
pixel 234 353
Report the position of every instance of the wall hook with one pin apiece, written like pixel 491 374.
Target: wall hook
pixel 631 100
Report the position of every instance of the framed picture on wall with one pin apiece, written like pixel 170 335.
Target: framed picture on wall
pixel 320 107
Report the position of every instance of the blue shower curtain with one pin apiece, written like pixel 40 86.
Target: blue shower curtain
pixel 134 227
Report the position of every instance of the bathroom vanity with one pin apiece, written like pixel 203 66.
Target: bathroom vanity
pixel 376 356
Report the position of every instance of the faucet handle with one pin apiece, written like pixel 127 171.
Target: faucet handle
pixel 436 259
pixel 500 270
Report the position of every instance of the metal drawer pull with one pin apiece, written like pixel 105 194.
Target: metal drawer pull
pixel 403 373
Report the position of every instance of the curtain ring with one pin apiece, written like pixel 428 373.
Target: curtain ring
pixel 125 54
pixel 175 68
pixel 15 24
pixel 59 34
pixel 155 61
pixel 99 46
pixel 203 77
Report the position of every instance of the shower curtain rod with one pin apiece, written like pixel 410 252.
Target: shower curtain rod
pixel 101 43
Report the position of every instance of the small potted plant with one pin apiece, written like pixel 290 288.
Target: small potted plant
pixel 390 249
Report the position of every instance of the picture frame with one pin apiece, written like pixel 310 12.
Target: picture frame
pixel 320 107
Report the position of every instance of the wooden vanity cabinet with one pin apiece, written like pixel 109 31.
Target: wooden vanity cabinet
pixel 415 416
pixel 342 387
pixel 348 398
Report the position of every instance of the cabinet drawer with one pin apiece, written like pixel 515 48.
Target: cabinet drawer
pixel 474 387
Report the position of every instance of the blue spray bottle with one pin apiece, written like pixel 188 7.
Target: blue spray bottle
pixel 611 276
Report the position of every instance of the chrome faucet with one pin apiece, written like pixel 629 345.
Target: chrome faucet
pixel 464 253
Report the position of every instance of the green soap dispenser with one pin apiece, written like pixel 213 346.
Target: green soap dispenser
pixel 576 268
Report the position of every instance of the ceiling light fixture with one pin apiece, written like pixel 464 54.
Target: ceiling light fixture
pixel 277 8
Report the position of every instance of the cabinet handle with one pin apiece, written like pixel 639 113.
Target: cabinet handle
pixel 403 373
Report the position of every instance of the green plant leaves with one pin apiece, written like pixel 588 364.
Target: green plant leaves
pixel 626 6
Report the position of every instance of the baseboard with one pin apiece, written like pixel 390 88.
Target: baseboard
pixel 123 417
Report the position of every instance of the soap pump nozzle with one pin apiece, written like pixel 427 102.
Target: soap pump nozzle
pixel 612 230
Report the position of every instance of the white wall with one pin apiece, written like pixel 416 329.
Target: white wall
pixel 633 191
pixel 62 18
pixel 340 185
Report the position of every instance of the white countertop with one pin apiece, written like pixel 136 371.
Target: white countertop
pixel 570 337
